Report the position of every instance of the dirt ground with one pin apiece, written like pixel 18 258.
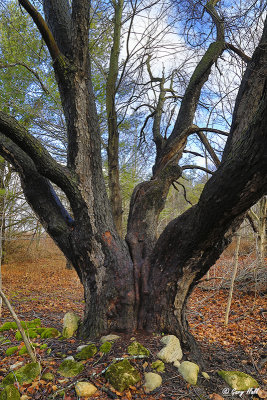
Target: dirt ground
pixel 43 288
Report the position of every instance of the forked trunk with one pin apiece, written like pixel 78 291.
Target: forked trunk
pixel 147 284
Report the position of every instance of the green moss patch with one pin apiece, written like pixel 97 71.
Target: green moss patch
pixel 137 349
pixel 87 352
pixel 238 380
pixel 25 374
pixel 31 333
pixel 7 326
pixel 48 376
pixel 50 333
pixel 10 393
pixel 105 347
pixel 11 350
pixel 158 365
pixel 24 350
pixel 25 324
pixel 121 375
pixel 69 368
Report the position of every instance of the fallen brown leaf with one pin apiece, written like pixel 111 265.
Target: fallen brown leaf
pixel 262 394
pixel 215 396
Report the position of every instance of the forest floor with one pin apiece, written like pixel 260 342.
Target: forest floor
pixel 43 288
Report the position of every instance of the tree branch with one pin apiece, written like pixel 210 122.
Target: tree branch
pixel 20 328
pixel 211 130
pixel 40 194
pixel 18 63
pixel 145 123
pixel 43 162
pixel 239 182
pixel 43 28
pixel 209 148
pixel 152 78
pixel 184 121
pixel 193 152
pixel 184 191
pixel 250 219
pixel 239 52
pixel 197 167
pixel 249 96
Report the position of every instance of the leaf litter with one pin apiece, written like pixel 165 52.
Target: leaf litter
pixel 45 289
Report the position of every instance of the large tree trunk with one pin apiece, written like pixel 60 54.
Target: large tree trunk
pixel 106 272
pixel 191 244
pixel 147 283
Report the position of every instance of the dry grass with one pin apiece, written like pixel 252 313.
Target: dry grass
pixel 29 248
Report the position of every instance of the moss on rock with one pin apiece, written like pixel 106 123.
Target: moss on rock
pixel 238 380
pixel 137 349
pixel 25 324
pixel 121 375
pixel 109 338
pixel 7 326
pixel 23 351
pixel 189 371
pixel 87 352
pixel 70 324
pixel 25 374
pixel 158 365
pixel 32 324
pixel 31 333
pixel 105 347
pixel 85 389
pixel 152 381
pixel 48 376
pixel 11 350
pixel 69 368
pixel 50 333
pixel 10 393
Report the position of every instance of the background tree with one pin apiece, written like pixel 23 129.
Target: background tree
pixel 257 217
pixel 143 282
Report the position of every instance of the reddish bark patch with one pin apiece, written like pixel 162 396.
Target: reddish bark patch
pixel 107 237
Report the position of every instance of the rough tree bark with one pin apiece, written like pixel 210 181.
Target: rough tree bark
pixel 113 130
pixel 144 282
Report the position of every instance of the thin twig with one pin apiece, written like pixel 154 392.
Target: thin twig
pixel 15 317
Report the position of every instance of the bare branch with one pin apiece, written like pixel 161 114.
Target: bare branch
pixel 20 328
pixel 184 191
pixel 42 160
pixel 250 218
pixel 184 121
pixel 197 167
pixel 145 124
pixel 18 63
pixel 43 28
pixel 211 130
pixel 239 52
pixel 40 194
pixel 193 152
pixel 152 78
pixel 209 148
